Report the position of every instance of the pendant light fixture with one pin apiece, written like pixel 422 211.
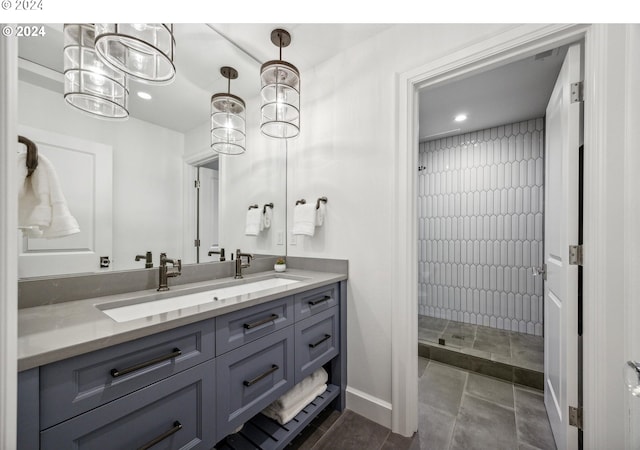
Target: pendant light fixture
pixel 228 119
pixel 89 84
pixel 280 93
pixel 144 51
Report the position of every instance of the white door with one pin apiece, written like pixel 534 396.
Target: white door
pixel 561 231
pixel 84 169
pixel 208 213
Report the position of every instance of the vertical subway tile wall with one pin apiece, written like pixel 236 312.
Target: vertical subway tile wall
pixel 480 207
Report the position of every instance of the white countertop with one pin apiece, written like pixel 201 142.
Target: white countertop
pixel 58 331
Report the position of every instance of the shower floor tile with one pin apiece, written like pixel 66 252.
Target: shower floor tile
pixel 508 347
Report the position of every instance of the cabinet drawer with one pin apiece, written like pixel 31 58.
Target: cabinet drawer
pixel 251 377
pixel 181 403
pixel 73 386
pixel 246 325
pixel 317 341
pixel 316 300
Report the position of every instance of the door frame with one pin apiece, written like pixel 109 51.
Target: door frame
pixel 515 43
pixel 8 246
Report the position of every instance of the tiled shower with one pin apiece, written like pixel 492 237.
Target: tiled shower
pixel 480 209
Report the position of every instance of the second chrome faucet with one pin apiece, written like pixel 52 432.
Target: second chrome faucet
pixel 239 263
pixel 165 273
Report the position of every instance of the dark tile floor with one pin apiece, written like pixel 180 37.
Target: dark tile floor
pixel 508 347
pixel 458 410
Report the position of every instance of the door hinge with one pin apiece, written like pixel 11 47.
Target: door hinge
pixel 577 92
pixel 575 417
pixel 196 184
pixel 576 255
pixel 196 243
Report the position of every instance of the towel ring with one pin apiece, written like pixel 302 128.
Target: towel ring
pixel 301 202
pixel 321 199
pixel 253 207
pixel 32 154
pixel 264 208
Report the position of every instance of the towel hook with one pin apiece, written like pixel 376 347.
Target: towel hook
pixel 321 199
pixel 264 208
pixel 253 207
pixel 300 202
pixel 32 154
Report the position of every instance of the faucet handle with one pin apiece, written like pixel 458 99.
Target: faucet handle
pixel 179 264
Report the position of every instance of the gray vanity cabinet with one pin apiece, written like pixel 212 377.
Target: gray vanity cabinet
pixel 191 386
pixel 317 342
pixel 249 378
pixel 75 385
pixel 170 414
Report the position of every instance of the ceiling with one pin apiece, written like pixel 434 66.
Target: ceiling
pixel 201 49
pixel 510 93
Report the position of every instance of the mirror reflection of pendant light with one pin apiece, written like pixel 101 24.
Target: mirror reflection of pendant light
pixel 144 51
pixel 89 84
pixel 280 93
pixel 228 119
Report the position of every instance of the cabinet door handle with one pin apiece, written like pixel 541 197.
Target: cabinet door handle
pixel 271 318
pixel 115 373
pixel 320 300
pixel 177 426
pixel 314 345
pixel 248 383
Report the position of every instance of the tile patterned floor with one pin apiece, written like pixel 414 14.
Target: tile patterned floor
pixel 458 410
pixel 508 347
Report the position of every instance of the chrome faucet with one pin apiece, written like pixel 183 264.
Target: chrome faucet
pixel 220 252
pixel 165 274
pixel 148 260
pixel 239 264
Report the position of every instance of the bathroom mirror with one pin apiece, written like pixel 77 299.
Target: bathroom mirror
pixel 133 184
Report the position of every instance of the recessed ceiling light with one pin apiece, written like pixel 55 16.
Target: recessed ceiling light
pixel 144 95
pixel 460 118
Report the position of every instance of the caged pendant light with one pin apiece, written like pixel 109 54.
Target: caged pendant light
pixel 89 84
pixel 280 93
pixel 228 119
pixel 144 51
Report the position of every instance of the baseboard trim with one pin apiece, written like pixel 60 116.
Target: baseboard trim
pixel 369 406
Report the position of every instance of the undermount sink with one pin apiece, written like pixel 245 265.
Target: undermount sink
pixel 149 305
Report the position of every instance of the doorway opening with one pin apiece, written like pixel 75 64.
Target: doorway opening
pixel 481 234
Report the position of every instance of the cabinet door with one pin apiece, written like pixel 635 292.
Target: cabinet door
pixel 251 377
pixel 316 300
pixel 75 385
pixel 176 413
pixel 317 341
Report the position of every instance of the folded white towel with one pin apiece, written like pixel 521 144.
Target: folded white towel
pixel 41 203
pixel 285 415
pixel 254 222
pixel 301 390
pixel 267 217
pixel 320 213
pixel 304 219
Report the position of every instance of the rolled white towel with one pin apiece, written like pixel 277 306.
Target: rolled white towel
pixel 254 221
pixel 301 390
pixel 285 415
pixel 267 216
pixel 320 213
pixel 304 219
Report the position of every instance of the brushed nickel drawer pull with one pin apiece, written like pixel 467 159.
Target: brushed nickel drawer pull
pixel 115 373
pixel 271 318
pixel 320 300
pixel 260 377
pixel 177 426
pixel 326 336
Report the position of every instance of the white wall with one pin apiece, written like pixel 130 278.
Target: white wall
pixel 346 152
pixel 147 171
